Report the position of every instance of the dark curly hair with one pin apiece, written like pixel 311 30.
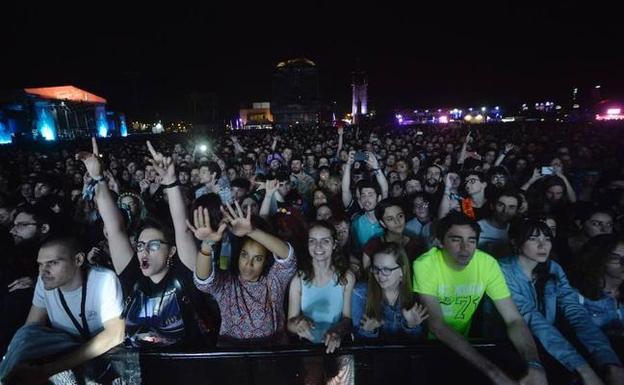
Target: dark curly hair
pixel 589 270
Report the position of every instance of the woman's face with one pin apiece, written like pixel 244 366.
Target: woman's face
pixel 323 213
pixel 321 244
pixel 597 224
pixel 537 248
pixel 251 260
pixel 342 232
pixel 153 252
pixel 394 219
pixel 319 198
pixel 249 203
pixel 386 271
pixel 615 263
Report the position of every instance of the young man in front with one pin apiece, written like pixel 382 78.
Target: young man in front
pixel 451 281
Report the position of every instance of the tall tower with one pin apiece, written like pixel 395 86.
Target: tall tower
pixel 359 103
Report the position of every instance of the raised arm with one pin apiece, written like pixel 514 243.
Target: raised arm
pixel 240 225
pixel 270 187
pixel 340 142
pixel 462 154
pixel 203 231
pixel 459 344
pixel 120 248
pixel 347 197
pixel 446 204
pixel 501 157
pixel 185 242
pixel 534 178
pixel 372 162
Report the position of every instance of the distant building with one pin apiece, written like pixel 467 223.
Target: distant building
pixel 295 98
pixel 359 100
pixel 56 113
pixel 259 116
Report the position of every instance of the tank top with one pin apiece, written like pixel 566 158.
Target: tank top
pixel 323 305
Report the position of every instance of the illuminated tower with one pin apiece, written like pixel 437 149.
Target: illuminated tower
pixel 359 104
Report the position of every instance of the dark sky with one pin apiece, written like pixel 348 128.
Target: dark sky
pixel 146 59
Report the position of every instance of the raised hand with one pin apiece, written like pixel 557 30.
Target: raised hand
pixel 144 185
pixel 371 160
pixel 240 225
pixel 271 186
pixel 508 147
pixel 415 316
pixel 21 283
pixel 163 165
pixel 303 326
pixel 202 228
pixel 370 324
pixel 92 160
pixel 351 159
pixel 450 179
pixel 340 131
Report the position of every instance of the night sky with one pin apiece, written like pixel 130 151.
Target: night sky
pixel 145 60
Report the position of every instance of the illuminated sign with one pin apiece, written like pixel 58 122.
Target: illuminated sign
pixel 65 93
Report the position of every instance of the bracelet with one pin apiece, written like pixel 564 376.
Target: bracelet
pixel 166 186
pixel 208 243
pixel 535 364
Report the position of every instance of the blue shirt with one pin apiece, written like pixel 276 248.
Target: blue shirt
pixel 393 322
pixel 606 313
pixel 364 230
pixel 559 297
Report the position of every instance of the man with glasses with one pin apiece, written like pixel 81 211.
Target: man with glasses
pixel 419 226
pixel 451 281
pixel 474 205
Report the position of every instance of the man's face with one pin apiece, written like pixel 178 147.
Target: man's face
pixel 57 266
pixel 505 209
pixel 284 188
pixel 287 154
pixel 139 175
pixel 459 245
pixel 323 162
pixel 368 198
pixel 204 175
pixel 310 161
pixel 183 177
pixel 498 180
pixel 394 219
pixel 412 186
pixel 42 190
pixel 554 194
pixel 131 203
pixel 474 185
pixel 295 166
pixel 248 171
pixel 421 209
pixel 24 228
pixel 195 178
pixel 238 192
pixel 401 166
pixel 433 176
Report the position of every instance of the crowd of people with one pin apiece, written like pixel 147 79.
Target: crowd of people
pixel 328 236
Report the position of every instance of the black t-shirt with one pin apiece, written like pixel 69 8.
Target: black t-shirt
pixel 171 312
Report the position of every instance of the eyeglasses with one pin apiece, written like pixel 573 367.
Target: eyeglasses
pixel 421 205
pixel 617 258
pixel 152 246
pixel 24 224
pixel 471 181
pixel 383 270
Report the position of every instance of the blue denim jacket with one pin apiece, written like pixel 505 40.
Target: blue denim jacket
pixel 394 324
pixel 606 313
pixel 560 297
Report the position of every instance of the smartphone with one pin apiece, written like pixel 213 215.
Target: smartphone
pixel 419 133
pixel 361 156
pixel 547 170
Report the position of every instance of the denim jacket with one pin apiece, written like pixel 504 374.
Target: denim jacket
pixel 559 297
pixel 393 322
pixel 606 313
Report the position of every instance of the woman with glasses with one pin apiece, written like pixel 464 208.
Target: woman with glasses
pixel 541 291
pixel 386 307
pixel 598 275
pixel 163 307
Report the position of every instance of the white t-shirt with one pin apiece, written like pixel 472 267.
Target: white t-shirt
pixel 493 240
pixel 104 302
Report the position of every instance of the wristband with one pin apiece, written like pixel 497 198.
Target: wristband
pixel 209 244
pixel 166 186
pixel 535 364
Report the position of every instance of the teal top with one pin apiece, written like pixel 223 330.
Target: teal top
pixel 323 305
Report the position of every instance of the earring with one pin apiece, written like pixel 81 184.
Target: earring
pixel 169 261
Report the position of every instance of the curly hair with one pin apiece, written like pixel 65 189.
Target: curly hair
pixel 589 270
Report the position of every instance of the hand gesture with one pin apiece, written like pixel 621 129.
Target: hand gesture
pixel 536 174
pixel 450 179
pixel 240 225
pixel 21 283
pixel 162 164
pixel 415 316
pixel 271 186
pixel 469 137
pixel 509 147
pixel 91 160
pixel 112 182
pixel 202 228
pixel 303 326
pixel 144 185
pixel 371 160
pixel 370 324
pixel 332 341
pixel 351 158
pixel 340 131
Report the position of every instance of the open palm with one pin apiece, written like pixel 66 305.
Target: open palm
pixel 240 225
pixel 201 227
